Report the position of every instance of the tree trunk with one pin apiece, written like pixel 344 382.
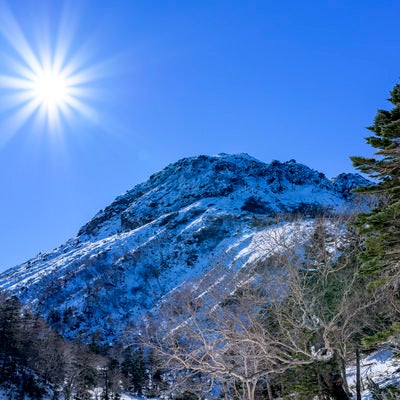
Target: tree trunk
pixel 269 391
pixel 320 388
pixel 358 374
pixel 345 383
pixel 251 390
pixel 333 383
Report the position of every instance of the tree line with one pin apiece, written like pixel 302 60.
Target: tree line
pixel 36 361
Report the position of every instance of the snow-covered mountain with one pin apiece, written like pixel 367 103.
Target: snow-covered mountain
pixel 174 228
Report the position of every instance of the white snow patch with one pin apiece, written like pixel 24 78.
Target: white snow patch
pixel 381 366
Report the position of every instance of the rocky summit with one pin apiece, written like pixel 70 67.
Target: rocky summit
pixel 195 214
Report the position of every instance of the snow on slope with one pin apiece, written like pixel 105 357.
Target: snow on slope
pixel 382 367
pixel 194 214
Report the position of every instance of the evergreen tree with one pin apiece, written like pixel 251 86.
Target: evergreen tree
pixel 10 336
pixel 380 228
pixel 134 370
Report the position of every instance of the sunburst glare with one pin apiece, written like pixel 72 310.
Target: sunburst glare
pixel 47 85
pixel 50 88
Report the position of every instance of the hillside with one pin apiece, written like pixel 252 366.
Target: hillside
pixel 193 215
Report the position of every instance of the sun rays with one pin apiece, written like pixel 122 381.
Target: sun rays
pixel 47 80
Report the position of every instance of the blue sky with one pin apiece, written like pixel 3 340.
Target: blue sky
pixel 170 79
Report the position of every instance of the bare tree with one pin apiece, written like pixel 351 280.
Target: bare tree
pixel 293 307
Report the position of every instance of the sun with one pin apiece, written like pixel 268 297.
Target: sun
pixel 49 81
pixel 50 88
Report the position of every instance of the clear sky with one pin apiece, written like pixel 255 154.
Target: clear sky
pixel 146 83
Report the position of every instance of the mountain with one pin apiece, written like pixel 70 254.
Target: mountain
pixel 194 215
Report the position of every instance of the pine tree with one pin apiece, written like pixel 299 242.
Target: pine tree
pixel 10 336
pixel 134 369
pixel 380 228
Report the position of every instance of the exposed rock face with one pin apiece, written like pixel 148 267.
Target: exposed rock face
pixel 346 183
pixel 171 229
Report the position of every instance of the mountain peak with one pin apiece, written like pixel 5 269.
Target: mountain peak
pixel 345 183
pixel 185 219
pixel 202 177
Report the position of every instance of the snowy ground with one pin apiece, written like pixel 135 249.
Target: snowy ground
pixel 381 367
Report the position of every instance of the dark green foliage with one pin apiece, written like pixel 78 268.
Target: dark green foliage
pixel 134 370
pixel 376 338
pixel 380 228
pixel 318 379
pixel 34 358
pixel 10 337
pixel 303 381
pixel 18 345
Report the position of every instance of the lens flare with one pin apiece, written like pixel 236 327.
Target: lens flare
pixel 53 84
